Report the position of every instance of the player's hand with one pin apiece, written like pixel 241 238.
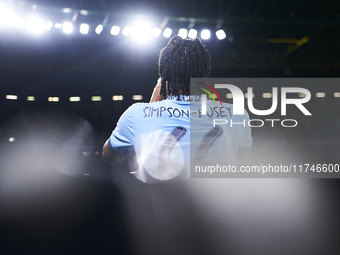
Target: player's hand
pixel 156 95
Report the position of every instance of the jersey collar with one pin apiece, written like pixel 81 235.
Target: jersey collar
pixel 184 97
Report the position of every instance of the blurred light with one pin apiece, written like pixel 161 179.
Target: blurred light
pixel 19 23
pixel 66 10
pixel 213 94
pixel 246 95
pixel 67 27
pixel 117 98
pixel 302 95
pixel 53 99
pixel 192 33
pixel 183 33
pixel 137 97
pixel 156 32
pixel 35 25
pixel 267 95
pixel 336 94
pixel 141 31
pixel 220 34
pixel 84 12
pixel 84 29
pixel 58 25
pixel 7 16
pixel 48 25
pixel 99 29
pixel 11 97
pixel 34 7
pixel 115 30
pixel 30 98
pixel 167 32
pixel 229 95
pixel 96 98
pixel 126 31
pixel 320 94
pixel 11 139
pixel 74 99
pixel 205 34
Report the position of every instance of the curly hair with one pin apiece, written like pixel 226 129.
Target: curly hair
pixel 180 60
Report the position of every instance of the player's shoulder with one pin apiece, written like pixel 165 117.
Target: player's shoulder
pixel 141 106
pixel 136 106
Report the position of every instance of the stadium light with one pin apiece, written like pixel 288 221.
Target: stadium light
pixel 229 95
pixel 117 98
pixel 67 27
pixel 246 95
pixel 74 99
pixel 7 16
pixel 213 95
pixel 220 34
pixel 127 31
pixel 53 99
pixel 115 30
pixel 137 97
pixel 96 98
pixel 141 28
pixel 84 12
pixel 183 33
pixel 84 29
pixel 141 31
pixel 19 23
pixel 267 95
pixel 320 94
pixel 67 10
pixel 48 25
pixel 167 32
pixel 35 25
pixel 58 25
pixel 99 29
pixel 11 97
pixel 205 34
pixel 192 33
pixel 156 32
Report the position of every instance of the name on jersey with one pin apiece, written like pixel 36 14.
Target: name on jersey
pixel 162 111
pixel 165 112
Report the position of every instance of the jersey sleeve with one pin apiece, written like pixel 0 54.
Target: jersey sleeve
pixel 122 137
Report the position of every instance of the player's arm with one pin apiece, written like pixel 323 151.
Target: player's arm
pixel 109 156
pixel 121 142
pixel 156 95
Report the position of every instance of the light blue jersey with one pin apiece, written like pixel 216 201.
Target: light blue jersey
pixel 159 134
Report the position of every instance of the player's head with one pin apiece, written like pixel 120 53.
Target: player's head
pixel 180 60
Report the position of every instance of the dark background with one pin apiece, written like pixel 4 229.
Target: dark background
pixel 55 211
